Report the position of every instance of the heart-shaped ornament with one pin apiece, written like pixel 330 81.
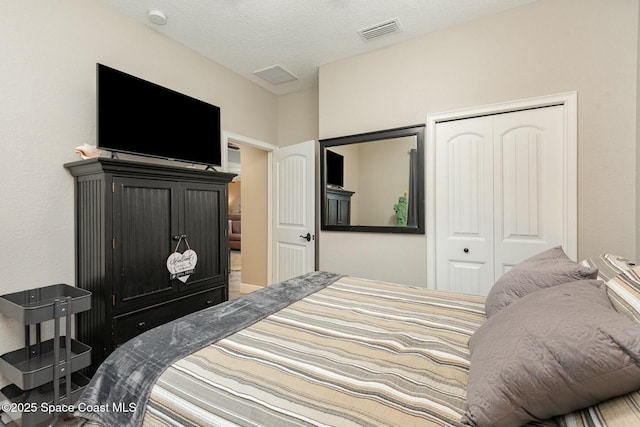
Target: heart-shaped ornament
pixel 182 265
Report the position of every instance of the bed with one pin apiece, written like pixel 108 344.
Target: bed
pixel 330 350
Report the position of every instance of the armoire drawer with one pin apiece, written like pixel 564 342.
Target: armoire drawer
pixel 128 326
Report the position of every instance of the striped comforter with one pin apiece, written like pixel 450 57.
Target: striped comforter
pixel 357 353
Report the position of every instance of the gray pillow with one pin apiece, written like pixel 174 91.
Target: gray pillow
pixel 552 352
pixel 549 268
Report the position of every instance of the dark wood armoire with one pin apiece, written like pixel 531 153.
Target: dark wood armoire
pixel 129 218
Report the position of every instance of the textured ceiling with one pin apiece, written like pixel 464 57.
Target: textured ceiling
pixel 298 35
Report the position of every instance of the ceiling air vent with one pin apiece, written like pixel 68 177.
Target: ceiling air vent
pixel 379 30
pixel 275 75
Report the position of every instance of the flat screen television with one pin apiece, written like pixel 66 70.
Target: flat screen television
pixel 335 169
pixel 135 116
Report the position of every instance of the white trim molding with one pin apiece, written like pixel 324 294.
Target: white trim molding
pixel 244 140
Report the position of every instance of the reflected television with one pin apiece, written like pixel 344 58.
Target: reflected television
pixel 335 169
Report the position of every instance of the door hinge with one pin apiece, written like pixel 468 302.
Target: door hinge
pixel 113 187
pixel 113 299
pixel 113 243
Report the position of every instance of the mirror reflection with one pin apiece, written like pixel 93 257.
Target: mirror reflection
pixel 374 181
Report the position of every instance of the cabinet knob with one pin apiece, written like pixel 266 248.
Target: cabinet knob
pixel 142 326
pixel 466 250
pixel 208 302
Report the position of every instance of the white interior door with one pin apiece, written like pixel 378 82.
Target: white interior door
pixel 293 210
pixel 499 194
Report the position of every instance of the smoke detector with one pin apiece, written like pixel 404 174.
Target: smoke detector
pixel 380 29
pixel 157 17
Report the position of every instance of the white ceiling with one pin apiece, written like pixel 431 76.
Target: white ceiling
pixel 299 35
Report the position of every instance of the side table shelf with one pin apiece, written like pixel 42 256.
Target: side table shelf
pixel 44 374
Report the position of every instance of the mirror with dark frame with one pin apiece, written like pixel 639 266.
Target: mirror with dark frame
pixel 374 181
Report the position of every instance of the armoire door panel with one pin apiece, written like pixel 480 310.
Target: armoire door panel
pixel 203 224
pixel 145 220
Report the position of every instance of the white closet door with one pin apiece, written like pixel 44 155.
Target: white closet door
pixel 529 159
pixel 464 206
pixel 499 195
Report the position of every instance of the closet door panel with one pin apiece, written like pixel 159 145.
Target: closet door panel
pixel 529 161
pixel 464 212
pixel 520 151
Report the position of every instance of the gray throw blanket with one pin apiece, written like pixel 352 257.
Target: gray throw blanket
pixel 125 378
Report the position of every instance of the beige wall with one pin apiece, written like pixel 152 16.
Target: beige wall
pixel 254 215
pixel 235 197
pixel 384 177
pixel 547 47
pixel 298 117
pixel 298 122
pixel 369 173
pixel 49 54
pixel 638 144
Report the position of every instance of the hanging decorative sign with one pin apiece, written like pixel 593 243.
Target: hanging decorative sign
pixel 182 265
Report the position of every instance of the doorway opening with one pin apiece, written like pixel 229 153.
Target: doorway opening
pixel 277 209
pixel 248 213
pixel 234 165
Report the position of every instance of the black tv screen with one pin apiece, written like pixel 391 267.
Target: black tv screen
pixel 335 169
pixel 139 117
